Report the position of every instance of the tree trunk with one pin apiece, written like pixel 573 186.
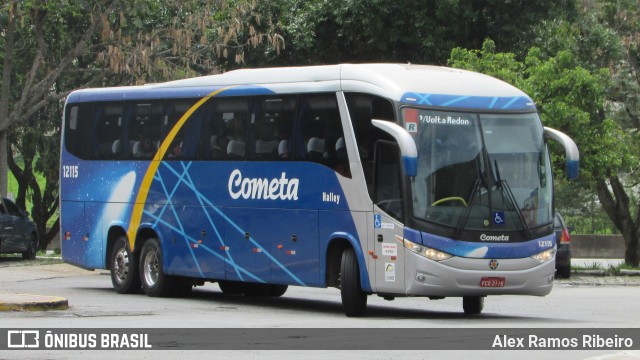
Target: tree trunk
pixel 4 169
pixel 615 203
pixel 5 92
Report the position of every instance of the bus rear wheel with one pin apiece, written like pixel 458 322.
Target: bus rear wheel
pixel 354 300
pixel 154 281
pixel 472 305
pixel 124 270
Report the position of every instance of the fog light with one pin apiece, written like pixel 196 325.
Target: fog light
pixel 420 278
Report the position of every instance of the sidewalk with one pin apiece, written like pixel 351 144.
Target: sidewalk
pixel 30 302
pixel 14 270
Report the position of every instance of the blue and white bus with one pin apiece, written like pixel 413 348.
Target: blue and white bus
pixel 387 179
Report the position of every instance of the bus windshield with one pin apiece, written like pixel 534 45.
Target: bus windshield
pixel 480 171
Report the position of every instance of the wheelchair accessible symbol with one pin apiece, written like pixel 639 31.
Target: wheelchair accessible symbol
pixel 377 221
pixel 498 218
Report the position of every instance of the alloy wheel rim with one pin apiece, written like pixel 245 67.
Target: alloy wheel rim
pixel 151 268
pixel 121 265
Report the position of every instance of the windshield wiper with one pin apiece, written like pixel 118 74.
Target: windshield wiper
pixel 467 210
pixel 512 199
pixel 481 181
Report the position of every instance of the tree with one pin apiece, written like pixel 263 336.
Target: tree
pixel 569 98
pixel 50 48
pixel 320 31
pixel 606 35
pixel 34 141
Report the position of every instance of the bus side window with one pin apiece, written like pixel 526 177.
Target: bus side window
pixel 78 128
pixel 109 131
pixel 322 136
pixel 186 144
pixel 225 130
pixel 144 130
pixel 271 126
pixel 363 108
pixel 388 179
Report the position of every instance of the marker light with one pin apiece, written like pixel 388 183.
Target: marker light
pixel 546 255
pixel 427 252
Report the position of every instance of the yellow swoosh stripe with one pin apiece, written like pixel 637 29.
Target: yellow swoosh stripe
pixel 143 192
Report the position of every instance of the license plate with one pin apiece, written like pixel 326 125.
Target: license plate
pixel 492 282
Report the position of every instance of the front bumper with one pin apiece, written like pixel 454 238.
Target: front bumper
pixel 459 276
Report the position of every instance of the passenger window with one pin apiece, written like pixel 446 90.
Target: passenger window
pixel 271 128
pixel 322 137
pixel 78 123
pixel 388 179
pixel 109 131
pixel 226 126
pixel 186 144
pixel 144 130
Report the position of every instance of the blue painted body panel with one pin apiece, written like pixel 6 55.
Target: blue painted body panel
pixel 205 231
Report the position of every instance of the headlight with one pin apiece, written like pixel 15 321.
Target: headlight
pixel 427 252
pixel 546 255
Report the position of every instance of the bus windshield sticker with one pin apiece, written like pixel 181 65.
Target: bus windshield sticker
pixel 444 120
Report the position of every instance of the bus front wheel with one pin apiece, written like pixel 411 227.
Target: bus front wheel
pixel 472 305
pixel 154 281
pixel 124 270
pixel 354 300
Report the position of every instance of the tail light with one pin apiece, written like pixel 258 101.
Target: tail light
pixel 565 238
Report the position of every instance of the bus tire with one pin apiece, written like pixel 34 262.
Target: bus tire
pixel 277 290
pixel 231 287
pixel 124 270
pixel 256 290
pixel 472 305
pixel 154 281
pixel 354 300
pixel 182 288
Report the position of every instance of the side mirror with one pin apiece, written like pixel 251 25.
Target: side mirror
pixel 408 149
pixel 571 150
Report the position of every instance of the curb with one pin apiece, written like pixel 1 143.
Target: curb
pixel 629 272
pixel 590 272
pixel 29 302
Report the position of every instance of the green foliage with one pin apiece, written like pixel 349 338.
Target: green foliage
pixel 333 31
pixel 569 98
pixel 581 209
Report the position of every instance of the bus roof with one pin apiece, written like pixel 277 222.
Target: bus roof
pixel 400 82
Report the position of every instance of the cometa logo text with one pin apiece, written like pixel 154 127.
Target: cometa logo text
pixel 262 188
pixel 485 237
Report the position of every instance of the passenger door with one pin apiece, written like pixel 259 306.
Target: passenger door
pixel 388 216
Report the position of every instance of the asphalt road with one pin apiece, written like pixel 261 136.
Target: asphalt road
pixel 578 303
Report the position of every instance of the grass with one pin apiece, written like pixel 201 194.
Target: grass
pixel 593 266
pixel 611 269
pixel 54 253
